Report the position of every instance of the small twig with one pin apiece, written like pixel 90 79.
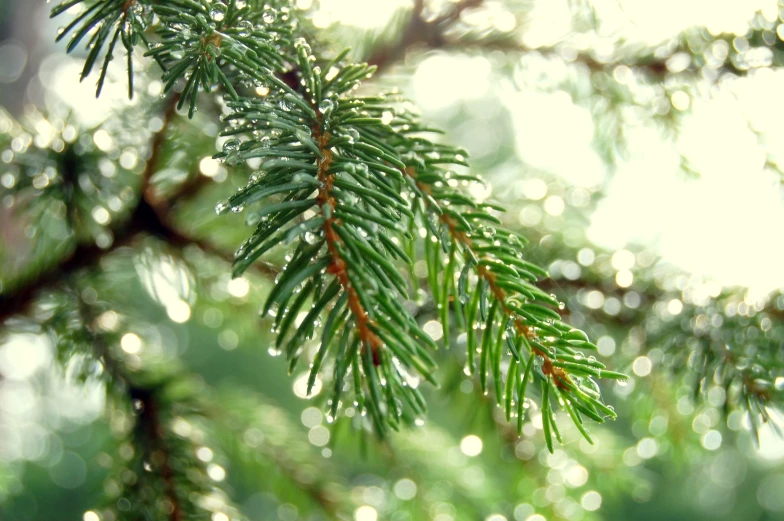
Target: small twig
pixel 558 375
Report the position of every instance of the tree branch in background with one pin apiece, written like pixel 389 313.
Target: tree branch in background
pixel 420 31
pixel 149 427
pixel 432 34
pixel 151 217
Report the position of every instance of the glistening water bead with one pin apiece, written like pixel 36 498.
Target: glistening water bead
pixel 326 106
pixel 222 207
pixel 218 12
pixel 269 15
pixel 231 145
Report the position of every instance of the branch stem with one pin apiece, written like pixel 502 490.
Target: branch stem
pixel 339 267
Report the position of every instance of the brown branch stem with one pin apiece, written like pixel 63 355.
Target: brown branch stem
pixel 338 267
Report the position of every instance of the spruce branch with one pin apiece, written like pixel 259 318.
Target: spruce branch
pixel 314 157
pixel 345 182
pixel 504 298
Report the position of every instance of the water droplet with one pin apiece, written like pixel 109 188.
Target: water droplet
pixel 274 351
pixel 238 209
pixel 301 43
pixel 243 247
pixel 138 406
pixel 301 177
pixel 136 9
pixel 302 135
pixel 218 12
pixel 222 207
pixel 231 145
pixel 245 28
pixel 326 106
pixel 252 219
pixel 269 15
pixel 623 382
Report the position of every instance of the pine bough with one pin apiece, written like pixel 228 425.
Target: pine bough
pixel 355 193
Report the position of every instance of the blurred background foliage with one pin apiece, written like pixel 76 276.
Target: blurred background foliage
pixel 638 144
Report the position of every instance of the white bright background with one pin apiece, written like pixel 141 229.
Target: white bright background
pixel 726 224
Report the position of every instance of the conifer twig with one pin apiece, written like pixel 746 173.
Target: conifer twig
pixel 556 373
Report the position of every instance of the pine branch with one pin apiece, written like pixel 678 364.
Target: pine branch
pixel 107 21
pixel 739 351
pixel 335 182
pixel 315 148
pixel 504 285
